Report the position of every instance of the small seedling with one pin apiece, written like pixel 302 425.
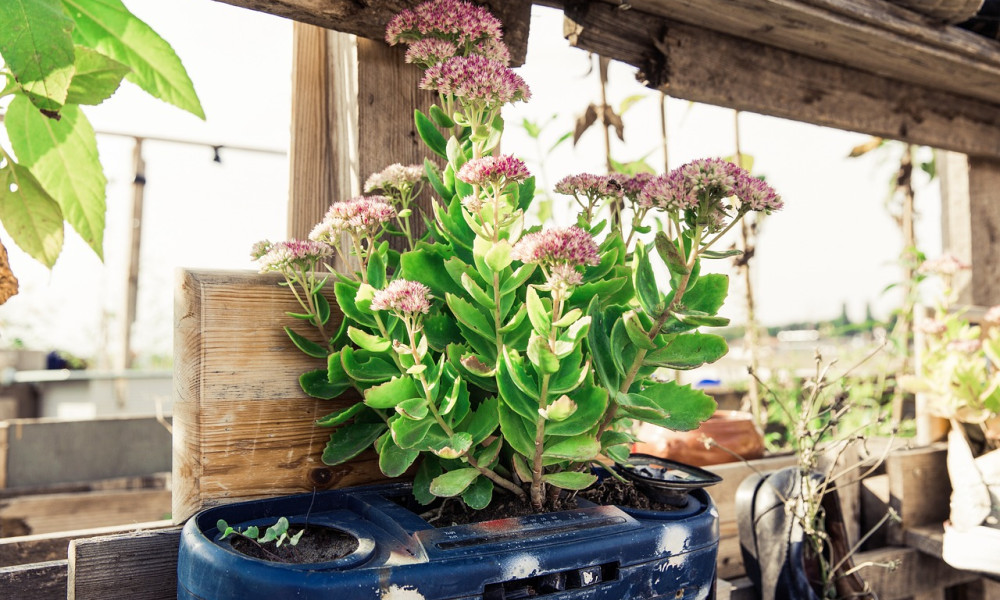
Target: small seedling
pixel 277 533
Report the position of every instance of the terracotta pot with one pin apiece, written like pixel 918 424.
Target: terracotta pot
pixel 733 430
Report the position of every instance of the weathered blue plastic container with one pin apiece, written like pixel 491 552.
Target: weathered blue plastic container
pixel 593 553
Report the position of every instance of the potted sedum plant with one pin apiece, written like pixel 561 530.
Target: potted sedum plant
pixel 501 366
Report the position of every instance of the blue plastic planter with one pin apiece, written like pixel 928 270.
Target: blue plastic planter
pixel 593 552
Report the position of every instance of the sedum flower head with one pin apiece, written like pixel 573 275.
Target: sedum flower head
pixel 685 187
pixel 493 49
pixel 260 248
pixel 589 185
pixel 559 246
pixel 458 21
pixel 948 264
pixel 495 170
pixel 632 187
pixel 403 296
pixel 964 346
pixel 754 193
pixel 292 256
pixel 430 51
pixel 364 215
pixel 394 177
pixel 932 326
pixel 476 79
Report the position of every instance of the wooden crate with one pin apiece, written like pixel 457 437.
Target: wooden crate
pixel 243 428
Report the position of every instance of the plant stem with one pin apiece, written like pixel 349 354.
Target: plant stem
pixel 537 487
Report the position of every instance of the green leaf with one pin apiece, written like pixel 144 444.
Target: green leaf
pixel 708 294
pixel 525 193
pixel 469 315
pixel 591 405
pixel 426 264
pixel 306 345
pixel 538 313
pixel 393 460
pixel 108 27
pixel 391 393
pixel 430 134
pixel 636 333
pixel 670 254
pixel 440 118
pixel 30 216
pixel 477 292
pixel 434 177
pixel 361 365
pixel 95 78
pixel 541 356
pixel 62 155
pixel 521 467
pixel 717 254
pixel 699 319
pixel 376 271
pixel 644 282
pixel 520 377
pixel 570 480
pixel 349 441
pixel 623 353
pixel 429 468
pixel 498 258
pixel 414 409
pixel 317 384
pixel 479 494
pixel 578 449
pixel 341 416
pixel 37 47
pixel 440 330
pixel 599 341
pixel 345 294
pixel 367 341
pixel 322 307
pixel 605 290
pixel 570 375
pixel 515 431
pixel 454 482
pixel 484 420
pixel 684 407
pixel 688 351
pixel 511 394
pixel 517 279
pixel 410 434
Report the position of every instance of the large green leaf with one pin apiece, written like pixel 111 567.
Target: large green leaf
pixel 570 480
pixel 430 134
pixel 108 27
pixel 391 393
pixel 591 405
pixel 343 415
pixel 708 293
pixel 470 316
pixel 37 47
pixel 393 460
pixel 351 440
pixel 484 420
pixel 644 282
pixel 515 431
pixel 683 407
pixel 578 448
pixel 511 394
pixel 426 265
pixel 96 77
pixel 361 365
pixel 411 434
pixel 688 351
pixel 31 217
pixel 62 154
pixel 454 482
pixel 599 341
pixel 318 385
pixel 479 494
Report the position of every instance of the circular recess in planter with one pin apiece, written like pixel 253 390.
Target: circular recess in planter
pixel 667 481
pixel 318 544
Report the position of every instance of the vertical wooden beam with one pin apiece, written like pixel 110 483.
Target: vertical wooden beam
pixel 953 171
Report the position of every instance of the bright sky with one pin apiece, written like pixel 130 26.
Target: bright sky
pixel 833 243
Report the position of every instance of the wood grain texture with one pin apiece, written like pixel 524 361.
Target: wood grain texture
pixel 701 65
pixel 369 18
pixel 984 225
pixel 45 547
pixel 243 428
pixel 867 35
pixel 47 513
pixel 39 581
pixel 919 488
pixel 135 566
pixel 915 573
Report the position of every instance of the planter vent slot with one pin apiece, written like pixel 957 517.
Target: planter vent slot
pixel 552 583
pixel 494 538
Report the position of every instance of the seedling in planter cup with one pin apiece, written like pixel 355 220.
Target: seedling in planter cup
pixel 493 354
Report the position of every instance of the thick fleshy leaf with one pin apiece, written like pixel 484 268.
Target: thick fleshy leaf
pixel 341 416
pixel 376 271
pixel 391 393
pixel 426 264
pixel 430 134
pixel 31 217
pixel 362 366
pixel 410 434
pixel 37 47
pixel 440 330
pixel 699 319
pixel 599 342
pixel 414 408
pixel 538 313
pixel 578 449
pixel 318 385
pixel 570 480
pixel 517 278
pixel 708 293
pixel 477 293
pixel 670 255
pixel 623 350
pixel 454 482
pixel 429 468
pixel 345 294
pixel 469 315
pixel 484 420
pixel 545 361
pixel 570 375
pixel 635 331
pixel 95 78
pixel 108 27
pixel 591 406
pixel 62 155
pixel 478 495
pixel 393 460
pixel 434 177
pixel 515 431
pixel 688 351
pixel 518 401
pixel 683 407
pixel 604 289
pixel 351 440
pixel 644 282
pixel 306 345
pixel 367 341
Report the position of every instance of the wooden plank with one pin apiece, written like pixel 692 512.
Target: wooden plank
pixel 4 446
pixel 926 538
pixel 867 35
pixel 914 573
pixel 368 19
pixel 39 581
pixel 701 65
pixel 47 513
pixel 141 565
pixel 50 451
pixel 919 488
pixel 45 547
pixel 243 428
pixel 984 225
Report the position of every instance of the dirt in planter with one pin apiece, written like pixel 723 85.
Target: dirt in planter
pixel 505 506
pixel 318 544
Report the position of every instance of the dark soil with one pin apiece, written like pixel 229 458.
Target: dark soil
pixel 504 506
pixel 317 544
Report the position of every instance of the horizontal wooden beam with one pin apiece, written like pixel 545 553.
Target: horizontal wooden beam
pixel 701 65
pixel 868 35
pixel 27 549
pixel 47 513
pixel 38 581
pixel 369 18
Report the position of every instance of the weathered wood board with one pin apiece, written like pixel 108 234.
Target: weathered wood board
pixel 243 428
pixel 41 452
pixel 48 513
pixel 132 566
pixel 38 581
pixel 27 549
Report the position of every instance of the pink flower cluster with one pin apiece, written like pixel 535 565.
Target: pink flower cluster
pixel 290 256
pixel 964 346
pixel 931 326
pixel 364 215
pixel 403 296
pixel 948 264
pixel 476 79
pixel 559 246
pixel 495 170
pixel 590 186
pixel 633 186
pixel 709 180
pixel 430 51
pixel 395 176
pixel 461 22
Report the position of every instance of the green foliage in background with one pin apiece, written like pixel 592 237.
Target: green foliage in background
pixel 59 55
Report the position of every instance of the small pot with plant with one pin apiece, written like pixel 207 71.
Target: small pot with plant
pixel 502 366
pixel 959 376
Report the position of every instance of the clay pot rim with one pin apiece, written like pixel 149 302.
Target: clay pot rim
pixel 731 415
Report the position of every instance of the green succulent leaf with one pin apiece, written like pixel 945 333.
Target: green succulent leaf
pixel 429 468
pixel 644 282
pixel 108 27
pixel 517 400
pixel 376 271
pixel 414 408
pixel 670 255
pixel 517 278
pixel 391 393
pixel 623 351
pixel 343 415
pixel 469 315
pixel 607 290
pixel 541 356
pixel 688 351
pixel 599 341
pixel 479 494
pixel 699 319
pixel 635 331
pixel 362 365
pixel 367 341
pixel 683 407
pixel 426 264
pixel 591 406
pixel 393 460
pixel 410 434
pixel 318 385
pixel 347 442
pixel 521 467
pixel 520 376
pixel 477 292
pixel 538 313
pixel 434 177
pixel 345 294
pixel 440 330
pixel 570 480
pixel 484 420
pixel 577 449
pixel 322 307
pixel 30 215
pixel 306 345
pixel 499 256
pixel 717 254
pixel 37 47
pixel 708 294
pixel 515 431
pixel 454 482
